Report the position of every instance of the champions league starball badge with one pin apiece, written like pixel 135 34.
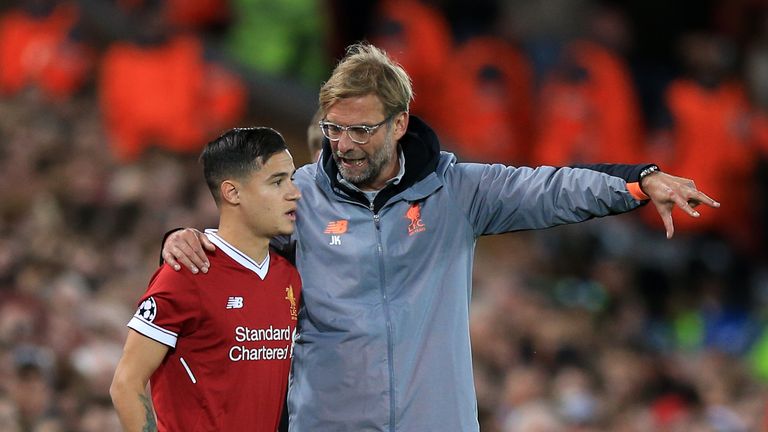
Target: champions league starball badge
pixel 147 310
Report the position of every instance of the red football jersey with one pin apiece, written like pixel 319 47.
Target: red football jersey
pixel 230 334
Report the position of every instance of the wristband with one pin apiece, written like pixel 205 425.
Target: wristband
pixel 647 171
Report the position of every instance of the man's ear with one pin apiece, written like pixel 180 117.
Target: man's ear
pixel 229 192
pixel 400 125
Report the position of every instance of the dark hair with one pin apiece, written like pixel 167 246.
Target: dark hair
pixel 238 153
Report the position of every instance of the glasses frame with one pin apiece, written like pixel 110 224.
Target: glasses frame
pixel 369 130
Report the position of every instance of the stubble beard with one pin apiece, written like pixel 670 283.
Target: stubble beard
pixel 374 165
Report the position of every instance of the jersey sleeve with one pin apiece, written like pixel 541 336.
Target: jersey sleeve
pixel 169 307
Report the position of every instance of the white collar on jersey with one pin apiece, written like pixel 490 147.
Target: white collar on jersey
pixel 260 269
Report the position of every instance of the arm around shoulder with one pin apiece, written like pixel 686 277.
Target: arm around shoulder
pixel 185 247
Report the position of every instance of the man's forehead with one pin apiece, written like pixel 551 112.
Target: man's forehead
pixel 355 110
pixel 277 162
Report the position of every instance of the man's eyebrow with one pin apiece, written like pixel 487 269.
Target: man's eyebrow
pixel 280 174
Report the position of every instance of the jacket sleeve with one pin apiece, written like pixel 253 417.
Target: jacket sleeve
pixel 497 198
pixel 630 173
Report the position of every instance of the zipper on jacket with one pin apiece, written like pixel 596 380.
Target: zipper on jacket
pixel 387 317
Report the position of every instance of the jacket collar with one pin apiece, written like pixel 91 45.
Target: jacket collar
pixel 421 149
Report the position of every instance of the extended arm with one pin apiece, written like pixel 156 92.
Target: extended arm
pixel 499 199
pixel 141 356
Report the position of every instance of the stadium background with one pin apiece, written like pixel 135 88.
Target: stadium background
pixel 602 326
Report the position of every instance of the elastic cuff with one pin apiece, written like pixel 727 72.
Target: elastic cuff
pixel 636 192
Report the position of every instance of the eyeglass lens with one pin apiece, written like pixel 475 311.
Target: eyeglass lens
pixel 358 134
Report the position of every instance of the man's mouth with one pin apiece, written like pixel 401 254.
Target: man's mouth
pixel 353 162
pixel 291 214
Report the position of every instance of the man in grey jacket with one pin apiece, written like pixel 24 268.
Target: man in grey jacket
pixel 384 242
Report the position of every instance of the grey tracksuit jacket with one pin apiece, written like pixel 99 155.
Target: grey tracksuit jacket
pixel 384 328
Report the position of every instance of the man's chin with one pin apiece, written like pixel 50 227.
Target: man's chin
pixel 286 231
pixel 354 178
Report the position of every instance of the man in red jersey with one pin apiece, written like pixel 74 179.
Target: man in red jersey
pixel 216 349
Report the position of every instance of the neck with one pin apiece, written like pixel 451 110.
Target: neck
pixel 246 241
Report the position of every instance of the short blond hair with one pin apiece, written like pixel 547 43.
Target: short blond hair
pixel 364 70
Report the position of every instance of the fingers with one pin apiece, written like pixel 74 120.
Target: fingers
pixel 669 191
pixel 683 204
pixel 665 211
pixel 207 244
pixel 189 256
pixel 701 197
pixel 196 254
pixel 669 227
pixel 184 248
pixel 171 261
pixel 694 196
pixel 183 260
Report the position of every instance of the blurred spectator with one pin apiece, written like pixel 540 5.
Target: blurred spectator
pixel 418 37
pixel 9 416
pixel 470 18
pixel 712 134
pixel 197 14
pixel 542 27
pixel 588 109
pixel 31 390
pixel 281 39
pixel 315 136
pixel 485 102
pixel 159 90
pixel 524 404
pixel 574 395
pixel 757 64
pixel 99 416
pixel 350 21
pixel 38 48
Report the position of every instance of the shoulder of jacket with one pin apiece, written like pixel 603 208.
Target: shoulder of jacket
pixel 447 161
pixel 306 172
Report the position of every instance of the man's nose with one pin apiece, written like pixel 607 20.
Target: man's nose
pixel 294 194
pixel 345 143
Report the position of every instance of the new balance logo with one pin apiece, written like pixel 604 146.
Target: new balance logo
pixel 235 303
pixel 336 227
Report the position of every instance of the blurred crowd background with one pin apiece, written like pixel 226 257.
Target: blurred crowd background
pixel 601 326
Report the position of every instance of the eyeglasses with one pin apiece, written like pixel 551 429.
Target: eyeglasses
pixel 359 134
